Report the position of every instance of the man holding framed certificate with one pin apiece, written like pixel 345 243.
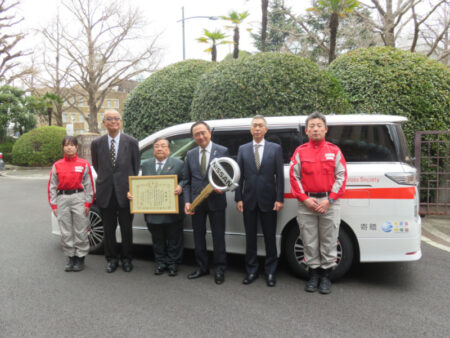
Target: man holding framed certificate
pixel 166 228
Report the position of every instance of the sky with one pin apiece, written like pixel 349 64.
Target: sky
pixel 163 16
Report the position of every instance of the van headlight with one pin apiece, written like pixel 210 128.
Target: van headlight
pixel 406 178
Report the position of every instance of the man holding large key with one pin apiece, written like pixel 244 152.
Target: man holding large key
pixel 196 168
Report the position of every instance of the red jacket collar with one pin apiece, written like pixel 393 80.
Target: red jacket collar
pixel 317 143
pixel 71 159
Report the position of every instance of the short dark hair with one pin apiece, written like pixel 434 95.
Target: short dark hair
pixel 162 139
pixel 316 115
pixel 198 123
pixel 70 140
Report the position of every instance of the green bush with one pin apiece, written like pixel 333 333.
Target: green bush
pixel 39 147
pixel 6 149
pixel 384 80
pixel 271 84
pixel 164 99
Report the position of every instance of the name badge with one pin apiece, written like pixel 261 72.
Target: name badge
pixel 78 169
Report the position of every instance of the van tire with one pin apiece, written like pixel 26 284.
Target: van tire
pixel 293 252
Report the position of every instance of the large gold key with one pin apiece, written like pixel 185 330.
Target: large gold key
pixel 224 174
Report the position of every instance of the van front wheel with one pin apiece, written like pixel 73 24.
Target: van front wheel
pixel 295 256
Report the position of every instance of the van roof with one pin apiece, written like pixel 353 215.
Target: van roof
pixel 277 122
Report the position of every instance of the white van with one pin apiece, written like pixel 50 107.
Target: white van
pixel 380 219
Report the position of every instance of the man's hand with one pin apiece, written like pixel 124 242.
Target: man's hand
pixel 178 190
pixel 129 196
pixel 86 211
pixel 311 203
pixel 240 206
pixel 55 212
pixel 187 206
pixel 218 191
pixel 278 206
pixel 323 206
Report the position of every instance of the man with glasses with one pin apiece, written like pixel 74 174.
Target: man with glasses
pixel 115 157
pixel 166 229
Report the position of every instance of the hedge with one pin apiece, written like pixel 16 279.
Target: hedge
pixel 39 147
pixel 386 80
pixel 271 84
pixel 164 99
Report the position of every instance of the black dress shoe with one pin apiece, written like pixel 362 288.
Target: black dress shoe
pixel 312 284
pixel 159 270
pixel 197 274
pixel 250 278
pixel 270 280
pixel 172 271
pixel 219 278
pixel 111 266
pixel 127 266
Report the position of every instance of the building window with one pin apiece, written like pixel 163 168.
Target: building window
pixel 64 117
pixel 74 117
pixel 108 103
pixel 80 101
pixel 116 103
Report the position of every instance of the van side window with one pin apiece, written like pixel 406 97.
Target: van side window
pixel 287 138
pixel 364 143
pixel 179 146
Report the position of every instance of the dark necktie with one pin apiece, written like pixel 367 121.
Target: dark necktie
pixel 113 153
pixel 203 162
pixel 257 160
pixel 158 171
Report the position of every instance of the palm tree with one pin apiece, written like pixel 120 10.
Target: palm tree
pixel 214 38
pixel 336 9
pixel 236 18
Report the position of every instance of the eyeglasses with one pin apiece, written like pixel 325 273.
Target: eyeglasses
pixel 110 119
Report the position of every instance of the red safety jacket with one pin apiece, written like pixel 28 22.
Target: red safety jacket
pixel 317 167
pixel 71 174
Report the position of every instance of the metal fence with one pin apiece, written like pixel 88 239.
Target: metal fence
pixel 432 153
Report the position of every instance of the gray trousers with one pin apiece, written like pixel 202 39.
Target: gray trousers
pixel 319 234
pixel 73 224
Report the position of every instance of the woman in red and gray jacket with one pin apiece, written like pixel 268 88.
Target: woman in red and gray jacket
pixel 70 194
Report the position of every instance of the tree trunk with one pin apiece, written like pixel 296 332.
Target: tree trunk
pixel 236 43
pixel 93 110
pixel 333 25
pixel 214 53
pixel 264 5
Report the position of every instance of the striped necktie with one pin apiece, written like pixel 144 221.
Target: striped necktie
pixel 113 153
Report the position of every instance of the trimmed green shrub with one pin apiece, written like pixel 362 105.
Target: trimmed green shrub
pixel 39 147
pixel 271 84
pixel 6 149
pixel 385 80
pixel 164 99
pixel 242 54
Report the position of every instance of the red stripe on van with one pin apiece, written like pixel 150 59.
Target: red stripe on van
pixel 375 193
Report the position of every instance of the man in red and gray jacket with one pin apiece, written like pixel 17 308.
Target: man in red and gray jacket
pixel 318 174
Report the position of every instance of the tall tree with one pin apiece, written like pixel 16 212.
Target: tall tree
pixel 311 36
pixel 279 26
pixel 335 9
pixel 97 44
pixel 237 19
pixel 17 109
pixel 213 38
pixel 264 12
pixel 10 54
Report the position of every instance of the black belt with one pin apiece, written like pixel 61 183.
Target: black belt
pixel 69 192
pixel 317 194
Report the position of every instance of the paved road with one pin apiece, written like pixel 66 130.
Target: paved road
pixel 39 299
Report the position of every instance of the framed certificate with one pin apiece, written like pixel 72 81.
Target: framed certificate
pixel 154 194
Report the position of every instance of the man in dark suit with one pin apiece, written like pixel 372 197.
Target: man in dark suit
pixel 260 193
pixel 166 229
pixel 196 167
pixel 115 157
